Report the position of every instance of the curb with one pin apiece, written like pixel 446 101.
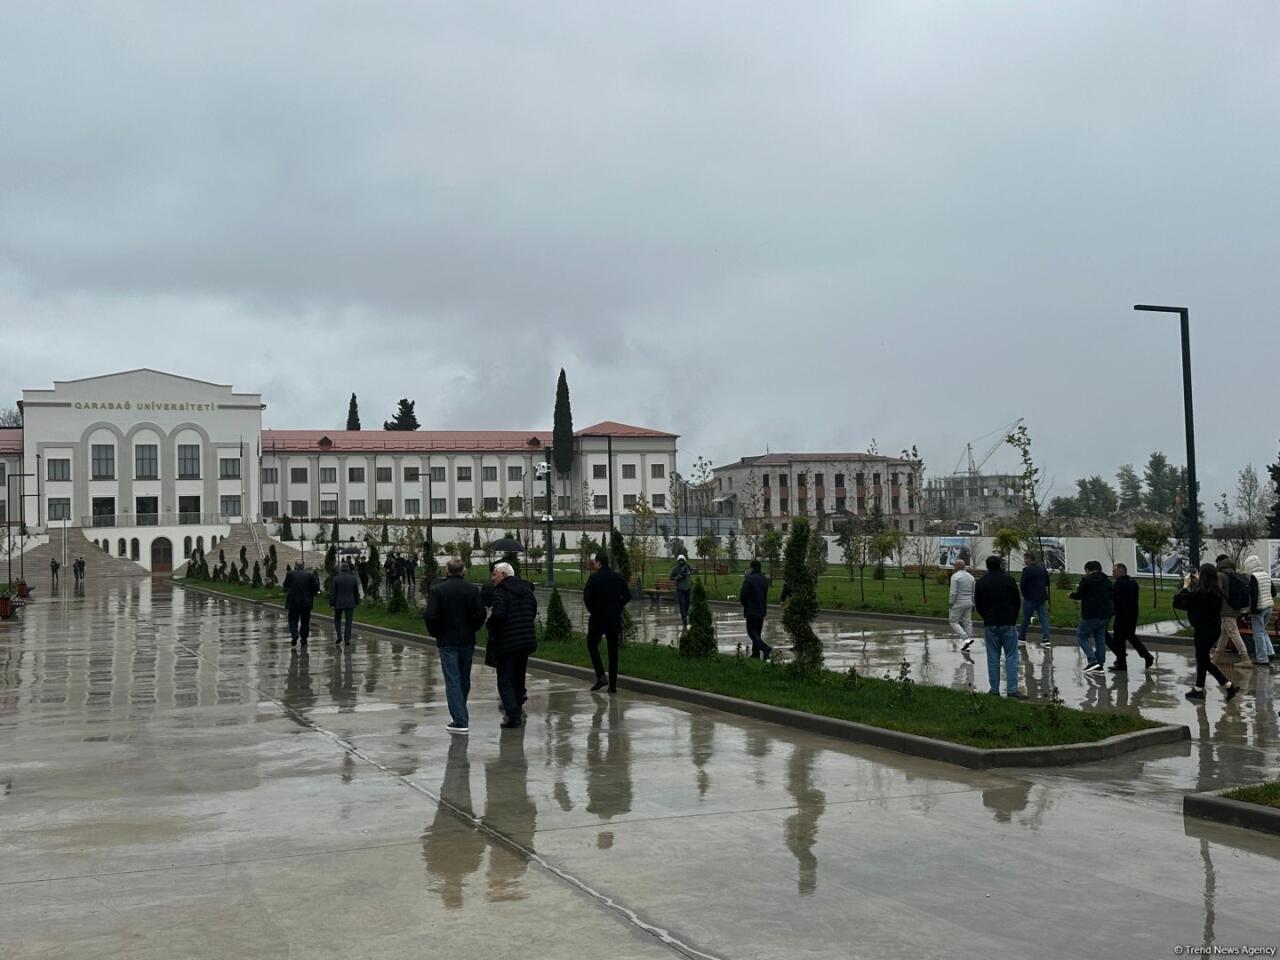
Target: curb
pixel 974 758
pixel 1236 813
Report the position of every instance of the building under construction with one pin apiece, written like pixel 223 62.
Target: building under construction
pixel 968 494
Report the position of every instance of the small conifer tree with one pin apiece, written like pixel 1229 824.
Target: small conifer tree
pixel 559 626
pixel 700 639
pixel 257 574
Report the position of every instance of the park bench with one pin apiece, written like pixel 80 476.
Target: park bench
pixel 662 587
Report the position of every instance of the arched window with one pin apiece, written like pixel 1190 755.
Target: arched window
pixel 186 547
pixel 200 544
pixel 213 542
pixel 122 549
pixel 134 552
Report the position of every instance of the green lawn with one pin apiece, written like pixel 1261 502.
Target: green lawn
pixel 894 594
pixel 1267 794
pixel 975 719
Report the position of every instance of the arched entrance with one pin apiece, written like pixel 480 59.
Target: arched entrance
pixel 161 555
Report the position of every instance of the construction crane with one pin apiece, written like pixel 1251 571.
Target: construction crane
pixel 975 466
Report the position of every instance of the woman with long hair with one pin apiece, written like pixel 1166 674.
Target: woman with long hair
pixel 1201 596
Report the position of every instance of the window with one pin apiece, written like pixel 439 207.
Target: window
pixel 229 468
pixel 438 505
pixel 355 508
pixel 515 473
pixel 58 470
pixel 657 471
pixel 146 461
pixel 297 474
pixel 2 474
pixel 782 480
pixel 329 508
pixel 135 551
pixel 894 504
pixel 438 475
pixel 628 501
pixel 564 504
pixel 839 479
pixel 299 508
pixel 820 504
pixel 818 479
pixel 413 507
pixel 385 507
pixel 328 475
pixel 488 474
pixel 659 501
pixel 382 474
pixel 628 471
pixel 490 504
pixel 599 471
pixel 875 479
pixel 464 504
pixel 270 509
pixel 270 474
pixel 188 461
pixel 464 474
pixel 515 504
pixel 104 462
pixel 540 504
pixel 782 505
pixel 411 475
pixel 840 501
pixel 188 509
pixel 122 548
pixel 229 506
pixel 764 480
pixel 186 547
pixel 355 474
pixel 601 502
pixel 59 508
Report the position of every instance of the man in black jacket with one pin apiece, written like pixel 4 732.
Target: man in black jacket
pixel 754 597
pixel 1124 600
pixel 513 638
pixel 300 589
pixel 454 613
pixel 604 596
pixel 1094 594
pixel 344 597
pixel 996 598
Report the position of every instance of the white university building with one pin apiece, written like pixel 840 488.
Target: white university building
pixel 149 464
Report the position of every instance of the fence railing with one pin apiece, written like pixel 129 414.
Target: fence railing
pixel 180 519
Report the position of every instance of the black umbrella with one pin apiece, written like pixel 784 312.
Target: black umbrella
pixel 506 545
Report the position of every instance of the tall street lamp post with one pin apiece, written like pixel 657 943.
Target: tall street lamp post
pixel 1192 487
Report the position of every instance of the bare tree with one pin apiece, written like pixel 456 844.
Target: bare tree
pixel 10 417
pixel 751 509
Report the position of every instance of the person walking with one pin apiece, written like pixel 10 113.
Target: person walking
pixel 78 567
pixel 512 634
pixel 300 589
pixel 54 566
pixel 604 596
pixel 1235 602
pixel 454 613
pixel 682 574
pixel 1034 585
pixel 1201 596
pixel 344 597
pixel 996 599
pixel 1094 593
pixel 362 570
pixel 754 597
pixel 1124 602
pixel 960 604
pixel 1261 606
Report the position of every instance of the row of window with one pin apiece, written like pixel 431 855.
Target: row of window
pixel 463 474
pixel 147 507
pixel 439 505
pixel 600 471
pixel 819 479
pixel 146 463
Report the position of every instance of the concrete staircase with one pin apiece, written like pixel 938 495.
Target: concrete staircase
pixel 257 542
pixel 98 564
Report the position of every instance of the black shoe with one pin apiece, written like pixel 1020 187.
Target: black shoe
pixel 1194 694
pixel 613 689
pixel 293 642
pixel 600 684
pixel 1232 690
pixel 512 724
pixel 1119 668
pixel 1150 661
pixel 1017 695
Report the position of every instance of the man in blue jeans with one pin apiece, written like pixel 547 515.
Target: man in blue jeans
pixel 1035 598
pixel 1094 594
pixel 454 613
pixel 996 599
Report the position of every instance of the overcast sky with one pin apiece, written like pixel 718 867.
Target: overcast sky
pixel 792 225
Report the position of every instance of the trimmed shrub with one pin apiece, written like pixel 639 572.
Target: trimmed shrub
pixel 559 626
pixel 257 574
pixel 700 639
pixel 397 603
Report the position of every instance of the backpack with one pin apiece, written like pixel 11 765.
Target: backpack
pixel 1237 591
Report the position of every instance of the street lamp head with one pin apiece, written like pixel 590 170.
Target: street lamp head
pixel 1155 308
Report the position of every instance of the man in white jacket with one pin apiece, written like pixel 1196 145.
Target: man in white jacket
pixel 1261 605
pixel 960 602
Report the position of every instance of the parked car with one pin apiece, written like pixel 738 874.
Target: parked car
pixel 968 528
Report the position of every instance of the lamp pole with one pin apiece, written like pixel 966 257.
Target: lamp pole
pixel 551 546
pixel 1193 515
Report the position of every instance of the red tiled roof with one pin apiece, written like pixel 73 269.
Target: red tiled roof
pixel 402 441
pixel 611 428
pixel 10 439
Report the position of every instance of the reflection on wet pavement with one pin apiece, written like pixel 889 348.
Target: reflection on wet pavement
pixel 176 781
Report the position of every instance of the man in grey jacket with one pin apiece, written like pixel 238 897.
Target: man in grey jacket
pixel 344 597
pixel 960 604
pixel 682 575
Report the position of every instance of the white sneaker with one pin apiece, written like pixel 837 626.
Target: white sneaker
pixel 1093 668
pixel 967 644
pixel 457 728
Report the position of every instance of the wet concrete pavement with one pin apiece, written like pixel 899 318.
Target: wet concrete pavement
pixel 175 783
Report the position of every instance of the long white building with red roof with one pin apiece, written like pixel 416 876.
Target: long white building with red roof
pixel 153 456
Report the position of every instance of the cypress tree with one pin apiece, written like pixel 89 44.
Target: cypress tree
pixel 257 574
pixel 563 545
pixel 375 571
pixel 562 429
pixel 286 529
pixel 1273 519
pixel 700 639
pixel 621 560
pixel 559 626
pixel 334 535
pixel 475 539
pixel 353 414
pixel 802 603
pixel 404 418
pixel 331 560
pixel 397 603
pixel 386 535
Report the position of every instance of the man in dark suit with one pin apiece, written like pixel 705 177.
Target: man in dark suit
pixel 605 594
pixel 513 637
pixel 300 589
pixel 454 613
pixel 344 597
pixel 1124 600
pixel 754 597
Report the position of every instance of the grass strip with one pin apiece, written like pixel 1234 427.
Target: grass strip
pixel 942 713
pixel 1264 794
